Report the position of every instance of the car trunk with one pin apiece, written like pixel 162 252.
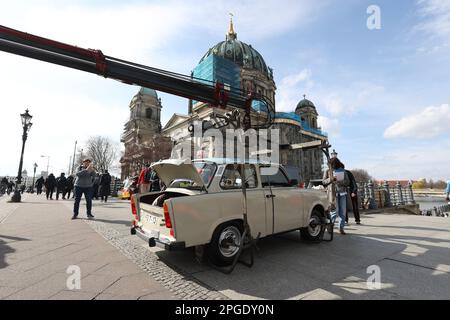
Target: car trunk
pixel 151 212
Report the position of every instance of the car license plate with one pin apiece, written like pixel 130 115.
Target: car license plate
pixel 150 219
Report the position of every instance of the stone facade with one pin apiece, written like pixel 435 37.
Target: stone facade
pixel 142 134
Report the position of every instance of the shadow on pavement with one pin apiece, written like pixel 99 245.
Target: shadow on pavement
pixel 288 268
pixel 6 249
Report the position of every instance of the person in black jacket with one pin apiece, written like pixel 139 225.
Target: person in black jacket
pixel 105 186
pixel 39 184
pixel 69 187
pixel 61 184
pixel 50 184
pixel 353 188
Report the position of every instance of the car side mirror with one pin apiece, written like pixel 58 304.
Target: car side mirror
pixel 293 183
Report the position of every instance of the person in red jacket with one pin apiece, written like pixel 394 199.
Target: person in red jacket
pixel 144 181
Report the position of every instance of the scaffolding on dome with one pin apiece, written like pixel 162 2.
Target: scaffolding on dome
pixel 304 124
pixel 217 69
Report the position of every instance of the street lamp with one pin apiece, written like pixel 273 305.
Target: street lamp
pixel 34 176
pixel 26 124
pixel 334 154
pixel 48 162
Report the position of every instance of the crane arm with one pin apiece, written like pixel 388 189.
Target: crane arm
pixel 94 61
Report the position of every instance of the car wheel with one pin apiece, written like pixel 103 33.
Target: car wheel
pixel 314 231
pixel 225 244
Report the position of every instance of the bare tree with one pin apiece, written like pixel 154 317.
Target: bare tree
pixel 361 175
pixel 102 151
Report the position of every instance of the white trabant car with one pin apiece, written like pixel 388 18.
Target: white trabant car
pixel 203 205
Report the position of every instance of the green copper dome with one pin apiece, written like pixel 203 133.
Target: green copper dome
pixel 305 103
pixel 148 92
pixel 239 52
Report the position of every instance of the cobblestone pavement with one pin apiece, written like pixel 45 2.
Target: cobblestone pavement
pixel 181 284
pixel 113 223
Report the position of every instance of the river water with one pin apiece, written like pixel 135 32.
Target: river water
pixel 426 203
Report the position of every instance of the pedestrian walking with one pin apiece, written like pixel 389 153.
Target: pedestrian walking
pixel 84 185
pixel 61 183
pixel 50 184
pixel 105 186
pixel 353 194
pixel 69 186
pixel 39 184
pixel 341 182
pixel 144 179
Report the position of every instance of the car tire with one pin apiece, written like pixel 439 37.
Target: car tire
pixel 315 229
pixel 224 245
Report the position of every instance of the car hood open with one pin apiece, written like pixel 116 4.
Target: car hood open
pixel 169 170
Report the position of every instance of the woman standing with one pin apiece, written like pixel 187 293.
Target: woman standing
pixel 339 177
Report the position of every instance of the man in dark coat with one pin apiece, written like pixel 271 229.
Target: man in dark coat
pixel 61 183
pixel 50 184
pixel 353 192
pixel 39 184
pixel 105 186
pixel 69 187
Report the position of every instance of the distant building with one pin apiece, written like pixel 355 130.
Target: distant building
pixel 241 67
pixel 142 134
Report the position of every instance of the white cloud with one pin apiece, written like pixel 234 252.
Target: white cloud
pixel 436 17
pixel 410 162
pixel 291 89
pixel 429 123
pixel 330 126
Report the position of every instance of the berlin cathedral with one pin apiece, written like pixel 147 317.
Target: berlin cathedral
pixel 237 65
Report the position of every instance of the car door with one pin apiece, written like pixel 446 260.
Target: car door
pixel 283 202
pixel 231 182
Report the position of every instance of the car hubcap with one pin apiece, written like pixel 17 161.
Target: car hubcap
pixel 314 226
pixel 229 241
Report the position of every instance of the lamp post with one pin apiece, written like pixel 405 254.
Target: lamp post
pixel 334 154
pixel 48 162
pixel 34 176
pixel 26 124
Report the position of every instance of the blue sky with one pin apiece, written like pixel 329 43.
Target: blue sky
pixel 383 95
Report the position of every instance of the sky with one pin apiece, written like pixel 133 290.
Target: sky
pixel 383 94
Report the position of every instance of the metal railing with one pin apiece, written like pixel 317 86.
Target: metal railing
pixel 372 196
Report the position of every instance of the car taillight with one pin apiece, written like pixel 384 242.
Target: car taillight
pixel 133 206
pixel 167 216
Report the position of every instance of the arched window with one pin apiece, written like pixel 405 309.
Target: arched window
pixel 148 113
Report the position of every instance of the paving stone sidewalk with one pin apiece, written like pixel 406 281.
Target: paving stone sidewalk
pixel 38 242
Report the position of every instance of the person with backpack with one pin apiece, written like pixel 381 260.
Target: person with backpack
pixel 144 179
pixel 50 184
pixel 39 184
pixel 69 186
pixel 61 183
